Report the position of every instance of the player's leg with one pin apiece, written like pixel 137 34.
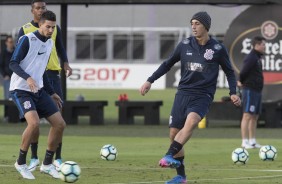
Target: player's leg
pixel 32 124
pixel 34 161
pixel 245 123
pixel 47 108
pixel 55 135
pixel 176 122
pixel 181 175
pixel 56 131
pixel 25 104
pixel 256 107
pixel 252 131
pixel 55 81
pixel 186 114
pixel 246 118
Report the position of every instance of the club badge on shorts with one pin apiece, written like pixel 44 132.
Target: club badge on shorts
pixel 27 104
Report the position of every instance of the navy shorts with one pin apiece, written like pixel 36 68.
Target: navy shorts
pixel 55 81
pixel 251 101
pixel 27 101
pixel 184 104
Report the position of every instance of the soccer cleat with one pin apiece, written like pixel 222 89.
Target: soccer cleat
pixel 169 161
pixel 247 146
pixel 177 179
pixel 57 163
pixel 34 162
pixel 49 169
pixel 23 170
pixel 256 145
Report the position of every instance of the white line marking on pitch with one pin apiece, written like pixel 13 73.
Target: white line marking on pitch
pixel 214 179
pixel 145 168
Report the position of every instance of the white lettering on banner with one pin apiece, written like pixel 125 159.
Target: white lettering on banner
pixel 112 76
pixel 272 60
pixel 246 46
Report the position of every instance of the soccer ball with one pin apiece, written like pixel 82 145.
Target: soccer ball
pixel 69 171
pixel 267 152
pixel 240 156
pixel 108 152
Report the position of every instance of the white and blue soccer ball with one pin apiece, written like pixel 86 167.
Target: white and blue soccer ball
pixel 108 152
pixel 240 156
pixel 69 171
pixel 268 153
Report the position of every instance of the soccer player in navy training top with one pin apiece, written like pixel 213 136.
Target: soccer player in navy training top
pixel 200 57
pixel 251 81
pixel 28 64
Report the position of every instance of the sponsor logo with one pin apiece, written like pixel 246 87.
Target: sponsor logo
pixel 269 30
pixel 195 67
pixel 188 53
pixel 40 53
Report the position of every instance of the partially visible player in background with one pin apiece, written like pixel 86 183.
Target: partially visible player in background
pixel 53 72
pixel 200 57
pixel 251 82
pixel 28 64
pixel 5 58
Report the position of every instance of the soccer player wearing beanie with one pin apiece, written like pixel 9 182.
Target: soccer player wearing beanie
pixel 200 57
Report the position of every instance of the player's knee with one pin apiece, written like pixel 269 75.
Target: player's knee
pixel 60 125
pixel 34 125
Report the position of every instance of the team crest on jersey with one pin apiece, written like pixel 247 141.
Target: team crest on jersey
pixel 217 46
pixel 185 41
pixel 33 38
pixel 209 54
pixel 27 105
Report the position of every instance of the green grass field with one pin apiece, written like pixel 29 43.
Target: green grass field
pixel 208 153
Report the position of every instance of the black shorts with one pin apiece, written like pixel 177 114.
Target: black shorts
pixel 27 101
pixel 184 104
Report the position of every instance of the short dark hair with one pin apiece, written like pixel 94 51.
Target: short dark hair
pixel 48 15
pixel 257 40
pixel 37 1
pixel 8 37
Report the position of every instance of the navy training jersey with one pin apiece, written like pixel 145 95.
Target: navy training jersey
pixel 199 67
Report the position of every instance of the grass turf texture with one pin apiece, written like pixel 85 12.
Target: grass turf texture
pixel 208 153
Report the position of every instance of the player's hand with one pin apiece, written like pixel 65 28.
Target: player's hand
pixel 7 77
pixel 145 88
pixel 236 100
pixel 58 101
pixel 32 85
pixel 68 69
pixel 239 84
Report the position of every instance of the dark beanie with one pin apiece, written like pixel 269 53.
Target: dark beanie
pixel 204 18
